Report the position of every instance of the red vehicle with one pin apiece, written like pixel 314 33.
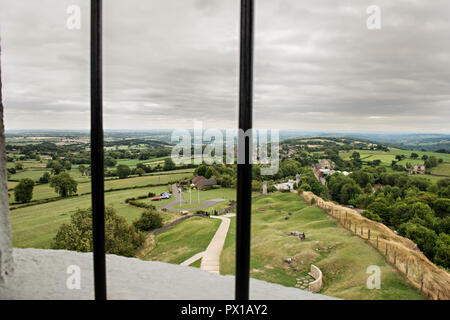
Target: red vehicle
pixel 157 199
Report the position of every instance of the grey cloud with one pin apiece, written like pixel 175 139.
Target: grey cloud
pixel 169 62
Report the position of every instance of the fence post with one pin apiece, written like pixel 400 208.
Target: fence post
pixel 386 253
pixel 439 295
pixel 377 242
pixel 350 225
pixel 406 268
pixel 395 258
pixel 368 235
pixel 421 284
pixel 362 230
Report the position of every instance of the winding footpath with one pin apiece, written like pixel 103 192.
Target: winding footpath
pixel 211 257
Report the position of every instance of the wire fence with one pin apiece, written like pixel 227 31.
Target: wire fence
pixel 432 281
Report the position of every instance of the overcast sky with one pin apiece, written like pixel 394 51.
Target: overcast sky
pixel 170 62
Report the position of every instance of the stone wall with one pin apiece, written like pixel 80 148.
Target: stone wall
pixel 6 260
pixel 316 285
pixel 42 274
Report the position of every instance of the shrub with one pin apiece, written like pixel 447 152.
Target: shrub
pixel 45 178
pixel 120 238
pixel 123 171
pixel 149 220
pixel 371 215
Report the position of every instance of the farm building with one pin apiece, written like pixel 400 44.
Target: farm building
pixel 205 183
pixel 197 179
pixel 418 169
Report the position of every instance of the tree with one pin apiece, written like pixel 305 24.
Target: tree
pixel 381 209
pixel 56 166
pixel 123 171
pixel 140 171
pixel 349 191
pixel 110 162
pixel 67 165
pixel 23 192
pixel 442 249
pixel 414 155
pixel 169 164
pixel 289 168
pixel 371 215
pixel 441 207
pixel 424 237
pixel 63 184
pixel 149 220
pixel 45 177
pixel 120 238
pixel 355 156
pixel 209 172
pixel 18 166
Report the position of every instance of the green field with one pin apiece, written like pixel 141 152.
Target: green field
pixel 440 172
pixel 181 242
pixel 219 193
pixel 442 169
pixel 344 266
pixel 387 157
pixel 44 191
pixel 35 226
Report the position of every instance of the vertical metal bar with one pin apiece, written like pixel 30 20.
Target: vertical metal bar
pixel 244 178
pixel 98 199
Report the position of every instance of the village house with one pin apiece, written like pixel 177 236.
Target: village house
pixel 196 180
pixel 325 164
pixel 183 183
pixel 417 169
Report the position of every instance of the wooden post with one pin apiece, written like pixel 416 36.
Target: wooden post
pixel 368 235
pixel 439 295
pixel 395 258
pixel 377 242
pixel 362 230
pixel 386 252
pixel 421 284
pixel 355 228
pixel 406 268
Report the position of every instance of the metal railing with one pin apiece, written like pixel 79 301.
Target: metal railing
pixel 244 173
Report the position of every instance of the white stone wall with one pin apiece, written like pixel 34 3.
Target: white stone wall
pixel 6 260
pixel 316 285
pixel 45 274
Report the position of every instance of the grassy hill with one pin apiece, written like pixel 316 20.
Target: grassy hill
pixel 181 242
pixel 344 265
